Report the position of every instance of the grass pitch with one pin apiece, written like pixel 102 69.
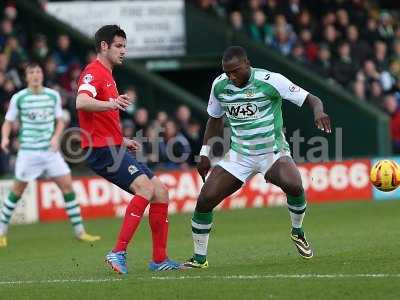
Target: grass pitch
pixel 356 249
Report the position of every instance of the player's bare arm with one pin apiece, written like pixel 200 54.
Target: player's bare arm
pixel 86 103
pixel 5 136
pixel 321 119
pixel 214 128
pixel 59 128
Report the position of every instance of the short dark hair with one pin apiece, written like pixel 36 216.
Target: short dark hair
pixel 107 34
pixel 31 65
pixel 234 52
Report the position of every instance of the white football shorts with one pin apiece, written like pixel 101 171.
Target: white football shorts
pixel 32 164
pixel 244 167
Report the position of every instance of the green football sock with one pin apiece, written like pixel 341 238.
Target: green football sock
pixel 9 205
pixel 201 227
pixel 297 209
pixel 73 211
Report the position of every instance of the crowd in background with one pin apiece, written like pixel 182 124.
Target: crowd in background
pixel 180 133
pixel 352 42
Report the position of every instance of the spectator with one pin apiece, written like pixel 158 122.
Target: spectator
pixel 63 55
pixel 69 80
pixel 292 10
pixel 128 128
pixel 271 9
pixel 344 69
pixel 359 90
pixel 183 115
pixel 380 56
pixel 304 22
pixel 50 71
pixel 376 94
pixel 141 119
pixel 298 53
pixel 328 19
pixel 359 49
pixel 322 64
pixel 4 63
pixel 161 118
pixel 371 32
pixel 282 41
pixel 40 50
pixel 211 7
pixel 369 72
pixel 392 108
pixel 259 30
pixel 194 137
pixel 385 27
pixel 342 21
pixel 236 20
pixel 15 53
pixel 330 38
pixel 174 147
pixel 310 47
pixel 6 31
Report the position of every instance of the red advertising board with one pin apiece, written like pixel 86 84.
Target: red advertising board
pixel 334 181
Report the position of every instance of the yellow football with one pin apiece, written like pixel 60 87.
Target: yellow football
pixel 385 175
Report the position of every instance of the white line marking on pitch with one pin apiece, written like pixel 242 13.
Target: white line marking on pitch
pixel 58 281
pixel 188 277
pixel 277 276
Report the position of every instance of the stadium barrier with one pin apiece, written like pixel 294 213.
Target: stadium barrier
pixel 323 182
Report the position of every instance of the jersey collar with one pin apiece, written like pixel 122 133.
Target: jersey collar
pixel 102 66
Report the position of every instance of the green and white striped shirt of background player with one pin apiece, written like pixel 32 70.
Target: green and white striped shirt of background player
pixel 37 114
pixel 255 111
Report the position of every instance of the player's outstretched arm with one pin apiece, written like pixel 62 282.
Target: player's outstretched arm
pixel 5 135
pixel 86 103
pixel 214 128
pixel 321 119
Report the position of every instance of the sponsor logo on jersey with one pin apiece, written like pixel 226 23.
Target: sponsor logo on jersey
pixel 249 94
pixel 132 169
pixel 88 78
pixel 38 115
pixel 242 111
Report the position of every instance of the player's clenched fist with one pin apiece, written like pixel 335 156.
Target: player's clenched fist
pixel 203 167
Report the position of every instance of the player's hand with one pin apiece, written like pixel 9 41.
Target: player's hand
pixel 5 143
pixel 203 167
pixel 121 102
pixel 323 122
pixel 54 144
pixel 131 145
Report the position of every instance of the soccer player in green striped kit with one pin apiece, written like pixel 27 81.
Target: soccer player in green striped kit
pixel 38 110
pixel 251 99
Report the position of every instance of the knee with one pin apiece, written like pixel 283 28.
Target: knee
pixel 295 189
pixel 161 194
pixel 204 202
pixel 145 190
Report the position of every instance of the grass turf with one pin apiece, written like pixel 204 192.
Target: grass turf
pixel 250 255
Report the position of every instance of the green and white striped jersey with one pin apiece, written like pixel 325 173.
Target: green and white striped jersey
pixel 255 111
pixel 37 114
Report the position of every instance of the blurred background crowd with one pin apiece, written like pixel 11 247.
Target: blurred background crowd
pixel 179 133
pixel 353 42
